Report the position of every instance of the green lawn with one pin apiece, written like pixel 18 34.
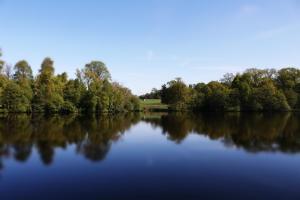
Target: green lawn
pixel 153 104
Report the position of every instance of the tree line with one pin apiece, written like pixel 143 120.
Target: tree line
pixel 252 90
pixel 92 90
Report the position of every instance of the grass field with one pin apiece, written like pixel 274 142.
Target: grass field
pixel 153 104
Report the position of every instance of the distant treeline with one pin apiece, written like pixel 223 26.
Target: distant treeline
pixel 91 91
pixel 253 90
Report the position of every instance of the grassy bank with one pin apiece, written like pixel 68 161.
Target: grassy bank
pixel 153 105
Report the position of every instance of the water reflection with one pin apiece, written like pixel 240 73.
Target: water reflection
pixel 265 132
pixel 252 132
pixel 93 136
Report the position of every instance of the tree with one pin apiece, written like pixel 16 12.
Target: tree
pixel 216 96
pixel 102 95
pixel 227 79
pixel 269 98
pixel 23 72
pixel 94 71
pixel 176 93
pixel 23 77
pixel 46 71
pixel 154 94
pixel 93 91
pixel 73 92
pixel 1 61
pixel 288 78
pixel 8 71
pixel 253 90
pixel 287 81
pixel 48 95
pixel 15 99
pixel 96 77
pixel 3 80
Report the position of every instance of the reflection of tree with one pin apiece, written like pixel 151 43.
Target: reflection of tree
pixel 252 132
pixel 101 132
pixel 46 152
pixel 176 126
pixel 94 136
pixel 22 152
pixel 93 151
pixel 91 135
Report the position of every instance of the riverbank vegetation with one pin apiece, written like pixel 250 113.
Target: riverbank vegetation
pixel 153 105
pixel 92 90
pixel 252 90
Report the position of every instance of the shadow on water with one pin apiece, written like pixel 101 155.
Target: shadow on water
pixel 93 136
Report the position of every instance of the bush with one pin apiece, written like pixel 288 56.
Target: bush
pixel 68 107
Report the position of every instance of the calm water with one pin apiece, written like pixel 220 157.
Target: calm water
pixel 153 156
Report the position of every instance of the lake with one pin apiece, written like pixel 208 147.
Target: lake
pixel 150 156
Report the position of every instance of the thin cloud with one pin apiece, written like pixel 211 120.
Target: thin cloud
pixel 266 34
pixel 248 9
pixel 191 62
pixel 220 67
pixel 150 55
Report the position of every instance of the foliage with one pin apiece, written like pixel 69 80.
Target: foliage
pixel 253 90
pixel 176 94
pixel 91 91
pixel 154 94
pixel 14 98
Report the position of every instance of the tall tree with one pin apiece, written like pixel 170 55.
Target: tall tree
pixel 95 71
pixel 176 93
pixel 96 77
pixel 47 93
pixel 23 77
pixel 23 72
pixel 1 61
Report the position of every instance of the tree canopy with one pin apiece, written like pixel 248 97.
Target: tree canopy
pixel 253 90
pixel 91 91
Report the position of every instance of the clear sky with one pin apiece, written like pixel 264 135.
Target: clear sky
pixel 146 43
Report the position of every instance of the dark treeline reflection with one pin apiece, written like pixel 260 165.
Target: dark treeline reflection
pixel 252 132
pixel 92 136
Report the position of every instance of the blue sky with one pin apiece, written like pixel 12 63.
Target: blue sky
pixel 146 43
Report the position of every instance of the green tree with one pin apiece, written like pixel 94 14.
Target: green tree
pixel 227 79
pixel 176 93
pixel 73 92
pixel 96 77
pixel 48 96
pixel 1 61
pixel 15 99
pixel 269 98
pixel 216 96
pixel 287 80
pixel 23 72
pixel 23 77
pixel 94 71
pixel 3 81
